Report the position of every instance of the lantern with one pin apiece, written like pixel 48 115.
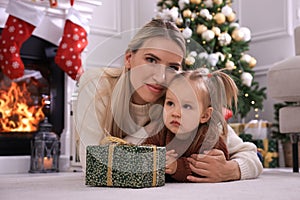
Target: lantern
pixel 45 150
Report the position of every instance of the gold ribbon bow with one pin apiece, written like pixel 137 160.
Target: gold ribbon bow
pixel 113 141
pixel 268 156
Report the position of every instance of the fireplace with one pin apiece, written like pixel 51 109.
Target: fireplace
pixel 45 82
pixel 60 89
pixel 42 88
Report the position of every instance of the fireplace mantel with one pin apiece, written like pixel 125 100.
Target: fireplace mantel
pixel 51 28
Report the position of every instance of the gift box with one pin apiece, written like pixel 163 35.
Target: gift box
pixel 269 151
pixel 123 165
pixel 246 137
pixel 237 127
pixel 259 129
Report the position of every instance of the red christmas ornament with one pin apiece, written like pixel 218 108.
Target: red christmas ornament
pixel 227 113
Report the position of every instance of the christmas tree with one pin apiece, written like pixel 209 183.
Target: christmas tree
pixel 222 43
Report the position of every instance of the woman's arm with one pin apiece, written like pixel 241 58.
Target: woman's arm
pixel 245 154
pixel 89 110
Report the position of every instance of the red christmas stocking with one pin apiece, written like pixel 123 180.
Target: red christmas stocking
pixel 74 40
pixel 18 28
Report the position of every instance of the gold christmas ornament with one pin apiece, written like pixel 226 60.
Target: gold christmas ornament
pixel 216 30
pixel 237 35
pixel 201 28
pixel 229 65
pixel 187 13
pixel 231 17
pixel 179 21
pixel 218 2
pixel 220 18
pixel 190 60
pixel 195 1
pixel 252 62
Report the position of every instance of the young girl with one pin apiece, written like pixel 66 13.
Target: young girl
pixel 193 118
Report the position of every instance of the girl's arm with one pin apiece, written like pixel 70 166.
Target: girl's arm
pixel 183 170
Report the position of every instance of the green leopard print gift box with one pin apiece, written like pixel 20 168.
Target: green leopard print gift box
pixel 122 165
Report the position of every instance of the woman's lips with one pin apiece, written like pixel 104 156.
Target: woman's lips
pixel 155 88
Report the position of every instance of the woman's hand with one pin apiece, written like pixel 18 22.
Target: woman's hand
pixel 171 162
pixel 214 167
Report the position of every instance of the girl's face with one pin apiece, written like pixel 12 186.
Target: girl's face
pixel 151 67
pixel 183 109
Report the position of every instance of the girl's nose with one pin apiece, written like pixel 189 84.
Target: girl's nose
pixel 159 75
pixel 176 112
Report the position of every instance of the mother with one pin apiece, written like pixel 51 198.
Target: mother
pixel 126 103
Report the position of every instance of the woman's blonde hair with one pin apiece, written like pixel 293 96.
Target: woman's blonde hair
pixel 157 28
pixel 119 122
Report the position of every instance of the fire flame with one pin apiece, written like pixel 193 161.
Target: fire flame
pixel 16 115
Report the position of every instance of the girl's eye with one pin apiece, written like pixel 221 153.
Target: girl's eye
pixel 151 60
pixel 187 106
pixel 169 103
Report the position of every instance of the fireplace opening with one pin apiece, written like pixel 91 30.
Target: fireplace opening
pixel 41 89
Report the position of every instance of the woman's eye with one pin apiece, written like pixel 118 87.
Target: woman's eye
pixel 151 60
pixel 176 68
pixel 187 106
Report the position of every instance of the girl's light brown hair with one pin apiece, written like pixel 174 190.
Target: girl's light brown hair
pixel 217 90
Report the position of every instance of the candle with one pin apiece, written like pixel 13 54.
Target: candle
pixel 48 163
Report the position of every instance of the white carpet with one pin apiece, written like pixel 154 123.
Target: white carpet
pixel 275 184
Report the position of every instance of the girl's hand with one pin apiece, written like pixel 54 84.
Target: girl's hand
pixel 171 162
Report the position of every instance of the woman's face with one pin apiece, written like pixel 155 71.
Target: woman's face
pixel 151 67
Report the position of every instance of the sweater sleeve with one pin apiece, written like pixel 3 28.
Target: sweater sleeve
pixel 90 110
pixel 245 154
pixel 183 170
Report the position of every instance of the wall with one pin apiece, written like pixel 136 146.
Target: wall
pixel 272 26
pixel 112 26
pixel 271 23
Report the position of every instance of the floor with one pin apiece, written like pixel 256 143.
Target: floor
pixel 273 184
